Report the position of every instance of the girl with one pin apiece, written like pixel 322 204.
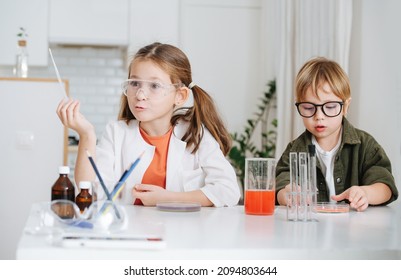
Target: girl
pixel 184 148
pixel 351 165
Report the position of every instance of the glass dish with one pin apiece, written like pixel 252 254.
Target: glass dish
pixel 328 207
pixel 179 206
pixel 64 215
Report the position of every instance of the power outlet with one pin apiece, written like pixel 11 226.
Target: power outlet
pixel 25 140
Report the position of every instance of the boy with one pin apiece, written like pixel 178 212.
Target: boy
pixel 351 165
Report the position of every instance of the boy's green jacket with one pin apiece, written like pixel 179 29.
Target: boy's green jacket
pixel 359 161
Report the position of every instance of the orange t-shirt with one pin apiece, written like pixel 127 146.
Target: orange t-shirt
pixel 156 172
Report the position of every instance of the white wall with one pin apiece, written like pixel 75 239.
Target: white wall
pixel 224 45
pixel 375 74
pixel 95 75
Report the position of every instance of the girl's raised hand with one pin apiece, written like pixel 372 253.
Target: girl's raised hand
pixel 70 116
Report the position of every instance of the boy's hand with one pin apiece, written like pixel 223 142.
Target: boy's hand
pixel 356 196
pixel 282 195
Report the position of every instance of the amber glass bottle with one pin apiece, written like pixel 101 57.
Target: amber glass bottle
pixel 63 189
pixel 84 198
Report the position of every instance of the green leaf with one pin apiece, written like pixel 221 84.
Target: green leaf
pixel 243 145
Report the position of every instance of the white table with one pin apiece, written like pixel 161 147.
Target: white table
pixel 227 233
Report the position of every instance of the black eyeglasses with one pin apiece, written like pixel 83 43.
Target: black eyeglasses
pixel 330 109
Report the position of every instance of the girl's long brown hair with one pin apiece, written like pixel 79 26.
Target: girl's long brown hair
pixel 174 62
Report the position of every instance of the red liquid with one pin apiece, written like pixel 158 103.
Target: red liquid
pixel 259 202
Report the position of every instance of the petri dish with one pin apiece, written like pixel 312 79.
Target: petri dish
pixel 179 206
pixel 327 207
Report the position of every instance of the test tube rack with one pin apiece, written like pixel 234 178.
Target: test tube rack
pixel 302 198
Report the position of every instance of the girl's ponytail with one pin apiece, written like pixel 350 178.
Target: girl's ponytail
pixel 204 112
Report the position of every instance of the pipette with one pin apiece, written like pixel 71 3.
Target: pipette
pixel 58 74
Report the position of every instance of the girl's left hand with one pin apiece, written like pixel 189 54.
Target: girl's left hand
pixel 356 196
pixel 149 194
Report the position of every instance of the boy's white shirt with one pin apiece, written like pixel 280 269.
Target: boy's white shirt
pixel 207 169
pixel 326 159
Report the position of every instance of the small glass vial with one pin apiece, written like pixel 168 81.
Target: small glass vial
pixel 84 198
pixel 21 66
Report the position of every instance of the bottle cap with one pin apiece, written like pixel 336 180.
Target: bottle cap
pixel 64 170
pixel 85 185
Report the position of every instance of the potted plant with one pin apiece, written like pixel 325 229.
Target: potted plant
pixel 244 143
pixel 22 35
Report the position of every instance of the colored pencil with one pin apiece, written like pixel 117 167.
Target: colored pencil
pixel 126 174
pixel 102 182
pixel 121 183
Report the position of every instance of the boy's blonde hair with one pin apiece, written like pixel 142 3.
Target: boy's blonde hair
pixel 317 71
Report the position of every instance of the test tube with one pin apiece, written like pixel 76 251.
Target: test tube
pixel 312 182
pixel 292 196
pixel 303 185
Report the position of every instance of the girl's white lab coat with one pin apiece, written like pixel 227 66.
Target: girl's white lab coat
pixel 207 169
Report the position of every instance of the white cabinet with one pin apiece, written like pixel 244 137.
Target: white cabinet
pixel 31 15
pixel 153 20
pixel 89 22
pixel 32 147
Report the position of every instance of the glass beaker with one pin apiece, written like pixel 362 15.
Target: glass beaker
pixel 260 186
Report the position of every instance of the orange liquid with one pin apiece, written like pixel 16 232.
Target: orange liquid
pixel 259 202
